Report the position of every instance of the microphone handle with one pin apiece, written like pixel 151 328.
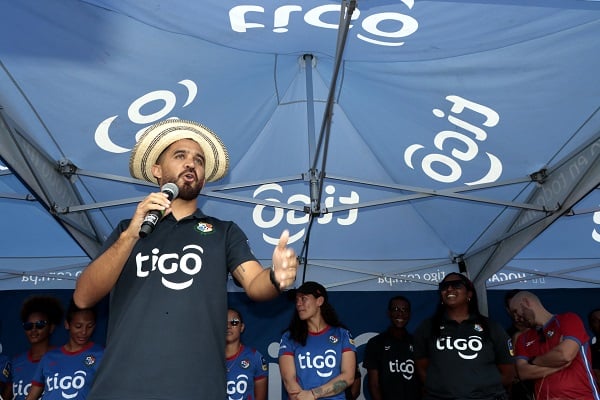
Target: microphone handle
pixel 150 222
pixel 153 217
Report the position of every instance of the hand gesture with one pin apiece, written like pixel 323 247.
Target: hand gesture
pixel 285 262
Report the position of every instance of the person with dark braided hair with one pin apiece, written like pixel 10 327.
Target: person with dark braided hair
pixel 317 354
pixel 459 352
pixel 40 315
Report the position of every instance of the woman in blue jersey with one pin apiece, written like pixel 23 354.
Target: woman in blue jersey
pixel 247 370
pixel 67 372
pixel 317 355
pixel 39 315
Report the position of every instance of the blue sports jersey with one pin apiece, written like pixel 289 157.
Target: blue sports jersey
pixel 67 375
pixel 321 359
pixel 243 369
pixel 4 368
pixel 22 369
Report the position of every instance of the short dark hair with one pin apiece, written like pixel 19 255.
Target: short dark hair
pixel 73 309
pixel 397 298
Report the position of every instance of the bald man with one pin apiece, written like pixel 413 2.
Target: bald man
pixel 554 351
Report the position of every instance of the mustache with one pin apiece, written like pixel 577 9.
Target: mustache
pixel 189 171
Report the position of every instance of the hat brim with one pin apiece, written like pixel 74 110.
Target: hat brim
pixel 161 135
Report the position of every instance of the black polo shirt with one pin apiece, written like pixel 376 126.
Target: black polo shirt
pixel 463 361
pixel 168 312
pixel 394 360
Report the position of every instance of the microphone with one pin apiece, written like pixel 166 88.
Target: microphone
pixel 153 216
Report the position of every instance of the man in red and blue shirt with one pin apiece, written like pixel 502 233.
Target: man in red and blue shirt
pixel 554 351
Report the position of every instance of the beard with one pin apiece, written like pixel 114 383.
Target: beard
pixel 187 191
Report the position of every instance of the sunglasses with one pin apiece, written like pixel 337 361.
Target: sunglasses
pixel 37 325
pixel 451 284
pixel 234 322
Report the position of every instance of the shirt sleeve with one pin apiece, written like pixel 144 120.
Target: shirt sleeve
pixel 521 350
pixel 262 367
pixel 38 376
pixel 503 345
pixel 238 248
pixel 421 339
pixel 348 341
pixel 286 345
pixel 572 327
pixel 371 357
pixel 4 369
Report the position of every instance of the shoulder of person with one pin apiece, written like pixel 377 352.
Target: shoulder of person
pixel 254 350
pixel 527 335
pixel 98 347
pixel 423 327
pixel 570 316
pixel 198 214
pixel 493 324
pixel 377 338
pixel 344 330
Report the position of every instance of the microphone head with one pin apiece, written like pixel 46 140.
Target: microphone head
pixel 171 189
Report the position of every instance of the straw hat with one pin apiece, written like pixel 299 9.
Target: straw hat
pixel 162 134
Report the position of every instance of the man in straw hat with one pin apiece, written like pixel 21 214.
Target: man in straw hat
pixel 168 302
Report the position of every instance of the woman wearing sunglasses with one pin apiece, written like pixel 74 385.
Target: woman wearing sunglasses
pixel 460 353
pixel 67 372
pixel 247 370
pixel 39 316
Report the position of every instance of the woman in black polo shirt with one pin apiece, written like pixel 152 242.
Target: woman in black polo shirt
pixel 460 353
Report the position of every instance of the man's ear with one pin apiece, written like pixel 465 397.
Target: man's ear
pixel 157 172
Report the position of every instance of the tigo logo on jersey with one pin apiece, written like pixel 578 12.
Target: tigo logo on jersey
pixel 236 388
pixel 68 385
pixel 406 368
pixel 323 364
pixel 467 349
pixel 189 262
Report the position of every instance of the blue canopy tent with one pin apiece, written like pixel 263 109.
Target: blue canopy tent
pixel 396 140
pixel 414 136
